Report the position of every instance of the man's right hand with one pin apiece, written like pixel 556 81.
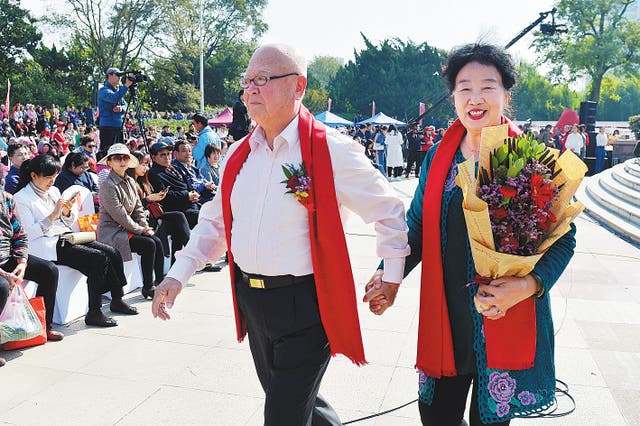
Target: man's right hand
pixel 380 294
pixel 164 297
pixel 194 196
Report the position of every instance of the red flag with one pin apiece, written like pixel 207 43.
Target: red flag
pixel 329 105
pixel 373 108
pixel 422 107
pixel 6 102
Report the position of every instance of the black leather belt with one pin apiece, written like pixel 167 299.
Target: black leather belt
pixel 267 282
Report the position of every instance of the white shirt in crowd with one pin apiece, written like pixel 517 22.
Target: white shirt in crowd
pixel 574 142
pixel 601 139
pixel 270 230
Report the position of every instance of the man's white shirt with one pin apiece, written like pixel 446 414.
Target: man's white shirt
pixel 270 229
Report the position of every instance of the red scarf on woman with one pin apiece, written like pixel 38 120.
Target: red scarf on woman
pixel 510 341
pixel 331 266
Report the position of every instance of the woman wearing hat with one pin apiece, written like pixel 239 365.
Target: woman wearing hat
pixel 45 215
pixel 123 223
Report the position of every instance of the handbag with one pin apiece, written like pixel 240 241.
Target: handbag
pixel 88 223
pixel 155 210
pixel 37 303
pixel 18 319
pixel 74 238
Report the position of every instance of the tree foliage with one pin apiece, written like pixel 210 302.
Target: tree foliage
pixel 321 70
pixel 18 34
pixel 397 75
pixel 115 34
pixel 600 39
pixel 620 97
pixel 537 98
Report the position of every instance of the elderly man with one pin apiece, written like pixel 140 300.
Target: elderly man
pixel 291 277
pixel 206 136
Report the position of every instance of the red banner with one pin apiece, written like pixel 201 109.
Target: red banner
pixel 373 108
pixel 422 108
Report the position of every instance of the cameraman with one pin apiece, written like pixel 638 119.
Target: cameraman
pixel 111 106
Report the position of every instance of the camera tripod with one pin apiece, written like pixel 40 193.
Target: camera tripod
pixel 133 101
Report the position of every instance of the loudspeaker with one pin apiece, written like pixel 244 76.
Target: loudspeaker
pixel 588 110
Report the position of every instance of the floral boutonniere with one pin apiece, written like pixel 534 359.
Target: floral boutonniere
pixel 297 182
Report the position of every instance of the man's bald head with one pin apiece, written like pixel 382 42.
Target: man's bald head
pixel 283 56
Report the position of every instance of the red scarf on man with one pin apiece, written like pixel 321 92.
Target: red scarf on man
pixel 331 266
pixel 511 340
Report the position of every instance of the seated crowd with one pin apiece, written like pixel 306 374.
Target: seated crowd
pixel 144 198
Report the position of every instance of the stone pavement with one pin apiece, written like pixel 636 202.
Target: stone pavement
pixel 191 370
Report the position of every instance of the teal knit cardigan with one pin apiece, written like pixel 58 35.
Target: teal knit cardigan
pixel 502 394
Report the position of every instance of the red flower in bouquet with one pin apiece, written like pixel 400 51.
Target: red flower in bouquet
pixel 508 191
pixel 541 192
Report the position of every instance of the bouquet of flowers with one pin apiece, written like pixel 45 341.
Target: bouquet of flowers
pixel 516 207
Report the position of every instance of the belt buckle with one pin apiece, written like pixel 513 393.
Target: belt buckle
pixel 256 283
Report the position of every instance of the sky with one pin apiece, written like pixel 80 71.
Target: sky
pixel 332 27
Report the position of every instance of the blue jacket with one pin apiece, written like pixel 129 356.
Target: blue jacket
pixel 108 98
pixel 11 180
pixel 205 137
pixel 530 390
pixel 66 179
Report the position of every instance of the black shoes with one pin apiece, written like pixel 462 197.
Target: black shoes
pixel 98 319
pixel 148 292
pixel 121 307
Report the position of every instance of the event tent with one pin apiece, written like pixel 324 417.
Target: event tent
pixel 330 119
pixel 381 118
pixel 223 119
pixel 568 117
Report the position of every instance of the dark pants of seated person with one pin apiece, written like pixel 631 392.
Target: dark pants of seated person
pixel 449 400
pixel 101 264
pixel 192 216
pixel 152 257
pixel 41 271
pixel 174 224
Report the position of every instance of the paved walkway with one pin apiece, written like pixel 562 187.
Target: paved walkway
pixel 190 370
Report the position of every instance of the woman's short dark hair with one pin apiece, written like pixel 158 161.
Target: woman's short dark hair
pixel 485 54
pixel 210 149
pixel 41 165
pixel 75 159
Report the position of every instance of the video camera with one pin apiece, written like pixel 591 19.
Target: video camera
pixel 134 75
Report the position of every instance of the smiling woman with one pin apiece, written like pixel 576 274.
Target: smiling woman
pixel 451 344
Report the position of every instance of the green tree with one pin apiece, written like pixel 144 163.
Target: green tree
pixel 321 70
pixel 18 34
pixel 396 75
pixel 620 97
pixel 115 33
pixel 316 100
pixel 600 38
pixel 537 98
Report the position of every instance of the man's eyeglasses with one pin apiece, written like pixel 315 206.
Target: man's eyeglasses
pixel 91 146
pixel 261 80
pixel 119 157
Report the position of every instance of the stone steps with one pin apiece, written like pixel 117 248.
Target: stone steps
pixel 612 197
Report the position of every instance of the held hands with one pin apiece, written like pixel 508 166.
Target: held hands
pixel 211 186
pixel 148 231
pixel 495 299
pixel 193 196
pixel 164 297
pixel 380 294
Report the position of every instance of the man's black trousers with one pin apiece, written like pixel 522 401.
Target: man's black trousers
pixel 290 351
